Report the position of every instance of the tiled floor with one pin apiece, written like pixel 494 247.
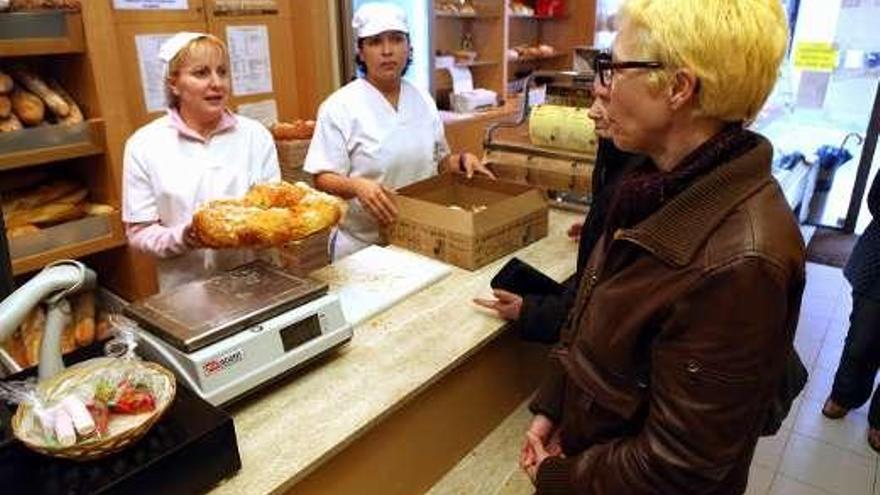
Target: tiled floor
pixel 811 455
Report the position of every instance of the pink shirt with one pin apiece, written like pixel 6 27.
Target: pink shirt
pixel 155 238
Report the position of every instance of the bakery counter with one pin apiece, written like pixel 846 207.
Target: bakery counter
pixel 415 389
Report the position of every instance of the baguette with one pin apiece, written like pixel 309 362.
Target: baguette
pixel 93 209
pixel 14 346
pixel 75 116
pixel 38 196
pixel 28 106
pixel 5 107
pixel 51 213
pixel 6 83
pixel 68 340
pixel 32 334
pixel 10 123
pixel 84 316
pixel 37 86
pixel 21 231
pixel 103 329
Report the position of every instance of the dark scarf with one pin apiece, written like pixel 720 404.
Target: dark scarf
pixel 643 190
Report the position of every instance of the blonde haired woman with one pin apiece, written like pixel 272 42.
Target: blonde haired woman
pixel 196 152
pixel 686 312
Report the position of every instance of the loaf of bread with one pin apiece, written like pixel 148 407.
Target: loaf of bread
pixel 28 107
pixel 37 86
pixel 5 107
pixel 10 123
pixel 75 116
pixel 5 83
pixel 84 318
pixel 93 209
pixel 298 129
pixel 23 230
pixel 51 213
pixel 32 334
pixel 38 196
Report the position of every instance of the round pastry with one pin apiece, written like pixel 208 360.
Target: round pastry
pixel 269 215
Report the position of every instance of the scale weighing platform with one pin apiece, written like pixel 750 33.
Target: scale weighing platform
pixel 231 333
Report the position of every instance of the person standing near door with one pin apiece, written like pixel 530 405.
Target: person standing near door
pixel 854 380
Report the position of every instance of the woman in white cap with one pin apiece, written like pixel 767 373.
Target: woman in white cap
pixel 378 132
pixel 197 151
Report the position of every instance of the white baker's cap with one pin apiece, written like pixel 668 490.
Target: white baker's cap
pixel 172 46
pixel 374 18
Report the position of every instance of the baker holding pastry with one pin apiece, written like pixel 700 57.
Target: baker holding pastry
pixel 378 132
pixel 198 151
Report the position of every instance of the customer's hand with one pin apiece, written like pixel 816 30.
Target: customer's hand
pixel 190 239
pixel 542 441
pixel 468 164
pixel 376 199
pixel 574 232
pixel 507 304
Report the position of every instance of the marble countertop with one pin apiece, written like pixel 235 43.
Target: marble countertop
pixel 288 430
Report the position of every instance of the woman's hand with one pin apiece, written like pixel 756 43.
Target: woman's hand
pixel 542 441
pixel 376 199
pixel 467 164
pixel 507 304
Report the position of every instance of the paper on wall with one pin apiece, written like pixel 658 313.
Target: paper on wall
pixel 150 4
pixel 250 62
pixel 265 111
pixel 152 81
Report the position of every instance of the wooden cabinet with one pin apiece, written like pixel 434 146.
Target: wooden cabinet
pixel 75 50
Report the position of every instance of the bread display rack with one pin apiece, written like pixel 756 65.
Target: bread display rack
pixel 60 45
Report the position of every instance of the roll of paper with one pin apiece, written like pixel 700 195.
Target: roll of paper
pixel 555 126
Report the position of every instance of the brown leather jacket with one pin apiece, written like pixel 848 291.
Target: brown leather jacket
pixel 676 343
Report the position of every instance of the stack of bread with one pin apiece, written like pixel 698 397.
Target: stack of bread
pixel 26 211
pixel 86 325
pixel 298 129
pixel 27 100
pixel 40 5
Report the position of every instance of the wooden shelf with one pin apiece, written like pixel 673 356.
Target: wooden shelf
pixel 475 63
pixel 47 144
pixel 40 33
pixel 527 60
pixel 72 239
pixel 452 15
pixel 538 17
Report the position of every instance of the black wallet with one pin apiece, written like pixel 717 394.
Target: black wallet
pixel 521 278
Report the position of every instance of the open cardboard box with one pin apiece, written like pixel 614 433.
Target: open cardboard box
pixel 468 222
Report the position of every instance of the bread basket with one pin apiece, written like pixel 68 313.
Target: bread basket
pixel 123 430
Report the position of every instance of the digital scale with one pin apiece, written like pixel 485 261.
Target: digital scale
pixel 226 335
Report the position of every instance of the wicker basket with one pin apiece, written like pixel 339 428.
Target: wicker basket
pixel 307 255
pixel 291 157
pixel 124 430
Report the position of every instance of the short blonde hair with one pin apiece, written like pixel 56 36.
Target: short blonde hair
pixel 734 47
pixel 195 48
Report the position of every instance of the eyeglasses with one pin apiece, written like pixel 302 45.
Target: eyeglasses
pixel 604 66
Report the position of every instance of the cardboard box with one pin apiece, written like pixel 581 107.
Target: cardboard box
pixel 551 174
pixel 468 223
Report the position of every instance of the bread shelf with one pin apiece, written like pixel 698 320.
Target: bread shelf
pixel 40 33
pixel 475 63
pixel 526 60
pixel 532 17
pixel 39 145
pixel 453 15
pixel 72 239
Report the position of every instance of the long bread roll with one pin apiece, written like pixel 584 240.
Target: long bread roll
pixel 5 107
pixel 39 87
pixel 38 196
pixel 84 318
pixel 75 116
pixel 32 334
pixel 11 123
pixel 28 106
pixel 5 83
